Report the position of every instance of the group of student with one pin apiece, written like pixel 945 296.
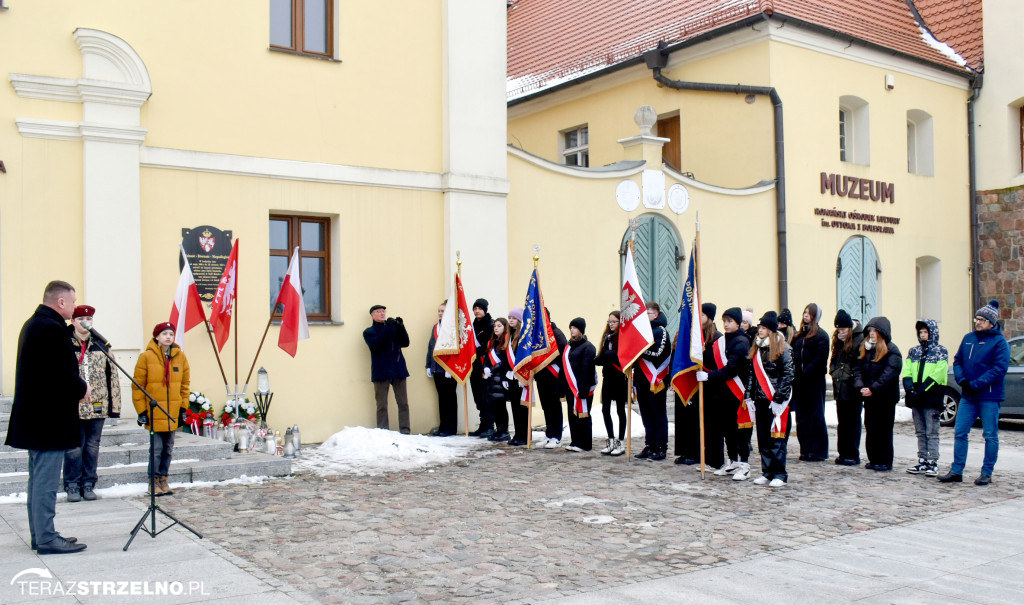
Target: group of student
pixel 756 375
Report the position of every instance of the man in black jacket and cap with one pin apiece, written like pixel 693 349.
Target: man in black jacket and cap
pixel 44 417
pixel 386 338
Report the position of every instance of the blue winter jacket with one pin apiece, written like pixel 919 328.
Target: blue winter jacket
pixel 980 365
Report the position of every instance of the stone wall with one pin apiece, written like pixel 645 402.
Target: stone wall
pixel 1001 252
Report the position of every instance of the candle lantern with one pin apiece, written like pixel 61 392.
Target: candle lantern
pixel 263 395
pixel 296 439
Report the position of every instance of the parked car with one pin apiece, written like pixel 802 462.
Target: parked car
pixel 1013 405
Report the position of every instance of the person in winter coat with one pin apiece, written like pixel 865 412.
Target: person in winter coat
pixel 520 409
pixel 714 436
pixel 498 363
pixel 979 367
pixel 877 376
pixel 810 360
pixel 581 379
pixel 550 386
pixel 727 380
pixel 651 394
pixel 44 416
pixel 845 352
pixel 483 326
pixel 445 385
pixel 769 389
pixel 613 386
pixel 924 376
pixel 748 325
pixel 162 369
pixel 95 368
pixel 786 324
pixel 386 338
pixel 687 419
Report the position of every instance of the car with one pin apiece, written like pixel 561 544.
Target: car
pixel 1013 405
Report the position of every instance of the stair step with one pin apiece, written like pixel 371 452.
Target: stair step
pixel 117 432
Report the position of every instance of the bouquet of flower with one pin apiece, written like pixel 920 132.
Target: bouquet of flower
pixel 239 409
pixel 199 409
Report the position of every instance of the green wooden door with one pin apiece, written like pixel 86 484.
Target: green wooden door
pixel 658 258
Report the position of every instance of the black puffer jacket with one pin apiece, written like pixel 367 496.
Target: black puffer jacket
pixel 614 386
pixel 841 367
pixel 581 360
pixel 737 346
pixel 496 387
pixel 483 327
pixel 780 373
pixel 546 381
pixel 882 376
pixel 662 347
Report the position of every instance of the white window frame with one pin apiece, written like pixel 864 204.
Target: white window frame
pixel 579 152
pixel 855 130
pixel 920 143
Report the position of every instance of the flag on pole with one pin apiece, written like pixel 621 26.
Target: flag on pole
pixel 187 309
pixel 294 326
pixel 635 334
pixel 689 353
pixel 456 343
pixel 223 305
pixel 537 347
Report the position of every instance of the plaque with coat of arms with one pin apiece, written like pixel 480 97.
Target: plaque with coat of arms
pixel 207 249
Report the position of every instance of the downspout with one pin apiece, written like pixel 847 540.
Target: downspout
pixel 656 60
pixel 976 82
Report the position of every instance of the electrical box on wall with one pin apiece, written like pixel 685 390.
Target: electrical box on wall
pixel 890 82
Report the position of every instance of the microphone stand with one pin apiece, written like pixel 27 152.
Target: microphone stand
pixel 153 509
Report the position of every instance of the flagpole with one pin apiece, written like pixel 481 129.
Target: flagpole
pixel 260 348
pixel 629 416
pixel 216 353
pixel 234 316
pixel 700 366
pixel 465 387
pixel 529 414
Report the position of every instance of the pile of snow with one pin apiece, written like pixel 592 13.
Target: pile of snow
pixel 129 490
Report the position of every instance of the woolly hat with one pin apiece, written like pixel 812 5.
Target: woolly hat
pixel 158 328
pixel 989 312
pixel 748 316
pixel 516 313
pixel 709 309
pixel 580 324
pixel 734 313
pixel 770 320
pixel 843 319
pixel 83 311
pixel 480 302
pixel 786 317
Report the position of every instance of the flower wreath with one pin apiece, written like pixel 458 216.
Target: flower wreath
pixel 236 409
pixel 199 409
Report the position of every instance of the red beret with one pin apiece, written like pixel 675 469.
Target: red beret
pixel 161 327
pixel 83 311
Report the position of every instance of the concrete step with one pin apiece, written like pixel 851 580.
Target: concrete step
pixel 182 470
pixel 185 446
pixel 117 431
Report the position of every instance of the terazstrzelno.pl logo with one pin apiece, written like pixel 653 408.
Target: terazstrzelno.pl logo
pixel 37 581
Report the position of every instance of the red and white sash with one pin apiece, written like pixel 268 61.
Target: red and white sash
pixel 580 405
pixel 493 357
pixel 656 375
pixel 780 411
pixel 735 384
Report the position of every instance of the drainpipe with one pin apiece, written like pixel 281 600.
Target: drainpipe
pixel 976 82
pixel 656 60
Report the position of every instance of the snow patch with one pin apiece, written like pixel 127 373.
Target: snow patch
pixel 946 50
pixel 598 519
pixel 129 490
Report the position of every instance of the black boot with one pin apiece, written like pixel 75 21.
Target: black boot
pixel 645 453
pixel 658 453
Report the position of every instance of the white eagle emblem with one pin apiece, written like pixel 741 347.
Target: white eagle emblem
pixel 207 243
pixel 464 328
pixel 630 309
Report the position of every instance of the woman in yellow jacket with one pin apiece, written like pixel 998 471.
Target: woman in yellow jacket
pixel 163 370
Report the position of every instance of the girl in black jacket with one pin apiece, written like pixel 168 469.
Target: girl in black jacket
pixel 613 387
pixel 580 378
pixel 810 360
pixel 845 351
pixel 496 367
pixel 877 376
pixel 769 389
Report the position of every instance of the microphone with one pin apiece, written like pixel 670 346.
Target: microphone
pixel 87 324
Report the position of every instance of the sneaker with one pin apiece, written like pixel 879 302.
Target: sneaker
pixel 933 469
pixel 725 470
pixel 551 444
pixel 776 483
pixel 731 467
pixel 983 479
pixel 620 448
pixel 657 454
pixel 707 468
pixel 486 434
pixel 573 448
pixel 762 480
pixel 608 448
pixel 918 468
pixel 74 495
pixel 88 494
pixel 742 473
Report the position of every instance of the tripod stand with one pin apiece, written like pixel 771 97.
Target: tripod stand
pixel 153 509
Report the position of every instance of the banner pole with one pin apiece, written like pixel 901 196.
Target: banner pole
pixel 700 366
pixel 260 348
pixel 529 416
pixel 234 316
pixel 465 405
pixel 216 353
pixel 629 417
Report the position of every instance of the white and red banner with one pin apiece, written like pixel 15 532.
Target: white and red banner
pixel 187 308
pixel 635 334
pixel 455 344
pixel 735 384
pixel 223 305
pixel 294 326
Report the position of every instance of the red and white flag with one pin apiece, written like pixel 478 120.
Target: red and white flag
pixel 294 326
pixel 187 309
pixel 223 305
pixel 635 334
pixel 455 343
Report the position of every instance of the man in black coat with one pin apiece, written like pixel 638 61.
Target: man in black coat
pixel 551 388
pixel 483 327
pixel 652 405
pixel 386 339
pixel 44 417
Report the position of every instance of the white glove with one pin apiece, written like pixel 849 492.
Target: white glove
pixel 750 405
pixel 702 376
pixel 509 375
pixel 430 373
pixel 504 384
pixel 447 375
pixel 777 408
pixel 487 373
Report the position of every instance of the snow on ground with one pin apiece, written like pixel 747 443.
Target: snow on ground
pixel 128 490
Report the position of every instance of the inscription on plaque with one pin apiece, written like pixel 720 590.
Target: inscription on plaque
pixel 207 249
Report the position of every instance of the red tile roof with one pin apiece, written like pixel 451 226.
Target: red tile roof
pixel 550 41
pixel 957 23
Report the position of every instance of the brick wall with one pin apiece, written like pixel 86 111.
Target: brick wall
pixel 1001 252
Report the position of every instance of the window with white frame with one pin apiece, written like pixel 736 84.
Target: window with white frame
pixel 920 143
pixel 854 130
pixel 928 274
pixel 575 146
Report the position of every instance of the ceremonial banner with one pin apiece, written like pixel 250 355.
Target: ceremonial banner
pixel 223 305
pixel 689 353
pixel 456 343
pixel 537 347
pixel 187 308
pixel 635 334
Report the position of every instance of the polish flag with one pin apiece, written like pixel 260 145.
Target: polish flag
pixel 635 334
pixel 223 305
pixel 294 326
pixel 187 310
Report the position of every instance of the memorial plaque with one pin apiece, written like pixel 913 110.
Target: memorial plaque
pixel 207 249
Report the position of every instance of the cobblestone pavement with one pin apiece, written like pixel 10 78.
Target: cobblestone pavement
pixel 510 525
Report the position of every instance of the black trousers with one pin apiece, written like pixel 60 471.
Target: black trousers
pixel 737 440
pixel 809 404
pixel 714 433
pixel 551 403
pixel 476 384
pixel 687 429
pixel 581 429
pixel 521 418
pixel 878 419
pixel 848 430
pixel 499 409
pixel 606 411
pixel 447 403
pixel 773 449
pixel 653 411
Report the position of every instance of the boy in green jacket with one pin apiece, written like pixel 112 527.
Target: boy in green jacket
pixel 924 376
